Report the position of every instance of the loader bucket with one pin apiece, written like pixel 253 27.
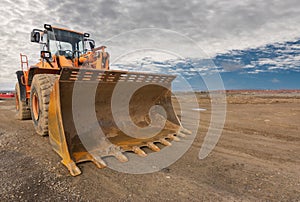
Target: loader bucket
pixel 89 133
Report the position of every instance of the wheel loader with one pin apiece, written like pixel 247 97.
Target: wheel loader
pixel 53 94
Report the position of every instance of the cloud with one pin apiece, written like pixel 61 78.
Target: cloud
pixel 217 26
pixel 274 80
pixel 277 57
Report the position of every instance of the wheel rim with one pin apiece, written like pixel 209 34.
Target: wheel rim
pixel 35 106
pixel 17 102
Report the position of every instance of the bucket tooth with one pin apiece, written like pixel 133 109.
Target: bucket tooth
pixel 180 134
pixel 172 137
pixel 139 151
pixel 165 142
pixel 99 162
pixel 73 169
pixel 186 131
pixel 153 147
pixel 121 157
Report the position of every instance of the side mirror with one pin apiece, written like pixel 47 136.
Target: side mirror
pixel 35 37
pixel 89 44
pixel 46 54
pixel 92 45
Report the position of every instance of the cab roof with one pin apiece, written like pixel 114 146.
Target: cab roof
pixel 69 30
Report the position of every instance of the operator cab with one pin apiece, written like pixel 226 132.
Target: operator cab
pixel 63 42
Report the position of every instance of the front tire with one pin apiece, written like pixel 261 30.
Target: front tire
pixel 41 88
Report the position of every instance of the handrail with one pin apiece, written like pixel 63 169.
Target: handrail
pixel 22 57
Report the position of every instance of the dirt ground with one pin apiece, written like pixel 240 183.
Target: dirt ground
pixel 256 158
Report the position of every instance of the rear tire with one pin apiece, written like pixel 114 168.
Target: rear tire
pixel 41 88
pixel 22 109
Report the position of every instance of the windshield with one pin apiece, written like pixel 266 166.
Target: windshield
pixel 64 42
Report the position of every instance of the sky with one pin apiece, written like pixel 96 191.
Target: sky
pixel 253 43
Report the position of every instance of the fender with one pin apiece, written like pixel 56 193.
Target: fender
pixel 22 87
pixel 36 70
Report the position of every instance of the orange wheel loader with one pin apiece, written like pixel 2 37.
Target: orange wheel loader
pixel 53 93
